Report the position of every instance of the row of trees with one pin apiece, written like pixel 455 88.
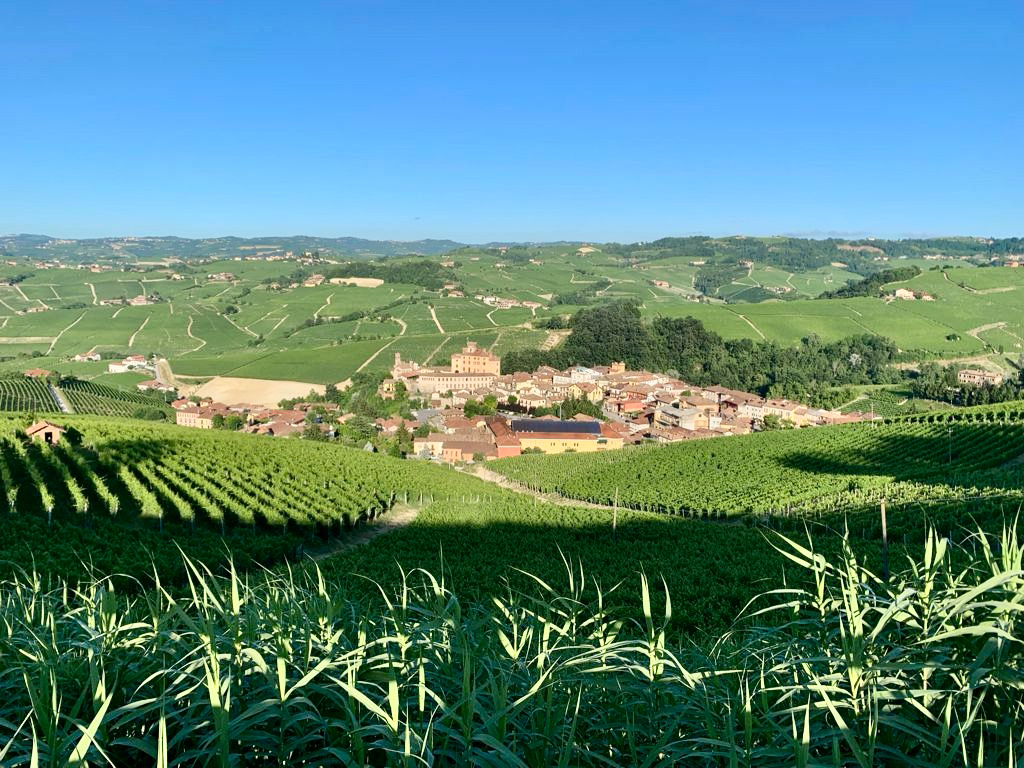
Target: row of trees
pixel 616 332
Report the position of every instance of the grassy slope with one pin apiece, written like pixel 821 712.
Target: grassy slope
pixel 190 328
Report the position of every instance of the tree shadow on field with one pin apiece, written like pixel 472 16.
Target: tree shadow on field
pixel 980 455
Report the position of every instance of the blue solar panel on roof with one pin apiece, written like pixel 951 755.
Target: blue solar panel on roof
pixel 556 427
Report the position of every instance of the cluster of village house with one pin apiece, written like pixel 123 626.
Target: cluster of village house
pixel 142 300
pixel 132 364
pixel 906 295
pixel 258 420
pixel 638 405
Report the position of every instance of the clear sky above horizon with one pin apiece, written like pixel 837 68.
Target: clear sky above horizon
pixel 512 121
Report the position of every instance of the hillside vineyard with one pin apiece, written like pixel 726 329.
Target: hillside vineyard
pixel 797 471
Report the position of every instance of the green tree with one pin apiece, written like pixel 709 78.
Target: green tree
pixel 233 421
pixel 313 432
pixel 403 440
pixel 360 428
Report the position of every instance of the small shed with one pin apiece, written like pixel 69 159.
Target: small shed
pixel 46 432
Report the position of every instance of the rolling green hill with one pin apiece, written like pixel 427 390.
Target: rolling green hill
pixel 143 249
pixel 263 321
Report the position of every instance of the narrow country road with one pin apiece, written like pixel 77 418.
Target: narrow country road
pixel 243 330
pixel 188 331
pixel 65 330
pixel 557 499
pixel 131 340
pixel 326 304
pixel 64 405
pixel 437 322
pixel 373 357
pixel 436 350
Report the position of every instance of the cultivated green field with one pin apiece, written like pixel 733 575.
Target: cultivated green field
pixel 599 636
pixel 968 453
pixel 94 397
pixel 132 478
pixel 262 324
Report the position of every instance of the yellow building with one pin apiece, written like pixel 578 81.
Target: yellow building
pixel 472 359
pixel 556 436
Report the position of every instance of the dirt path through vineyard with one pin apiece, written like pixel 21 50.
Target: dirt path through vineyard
pixel 491 476
pixel 399 517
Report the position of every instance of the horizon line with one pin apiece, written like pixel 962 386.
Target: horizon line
pixel 820 235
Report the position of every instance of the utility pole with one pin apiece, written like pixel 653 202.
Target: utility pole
pixel 949 432
pixel 615 513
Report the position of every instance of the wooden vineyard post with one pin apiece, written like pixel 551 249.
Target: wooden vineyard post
pixel 885 545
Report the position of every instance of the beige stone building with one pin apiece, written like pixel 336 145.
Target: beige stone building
pixel 977 378
pixel 472 359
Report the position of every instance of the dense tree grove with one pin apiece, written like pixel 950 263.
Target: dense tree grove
pixel 872 286
pixel 417 271
pixel 616 332
pixel 711 277
pixel 935 382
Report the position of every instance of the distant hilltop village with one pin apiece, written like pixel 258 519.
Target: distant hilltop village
pixel 638 405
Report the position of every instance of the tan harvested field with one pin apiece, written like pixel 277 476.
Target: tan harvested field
pixel 362 282
pixel 265 392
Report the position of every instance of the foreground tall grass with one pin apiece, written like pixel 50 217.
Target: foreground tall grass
pixel 280 670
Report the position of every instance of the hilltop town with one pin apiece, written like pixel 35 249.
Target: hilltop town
pixel 635 407
pixel 470 411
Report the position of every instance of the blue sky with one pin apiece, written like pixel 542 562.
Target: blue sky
pixel 522 120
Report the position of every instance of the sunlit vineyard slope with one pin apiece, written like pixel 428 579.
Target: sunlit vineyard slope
pixel 967 452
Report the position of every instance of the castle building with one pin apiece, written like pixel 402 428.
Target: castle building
pixel 472 368
pixel 472 359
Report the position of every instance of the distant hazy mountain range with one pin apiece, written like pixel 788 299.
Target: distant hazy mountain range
pixel 794 253
pixel 158 248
